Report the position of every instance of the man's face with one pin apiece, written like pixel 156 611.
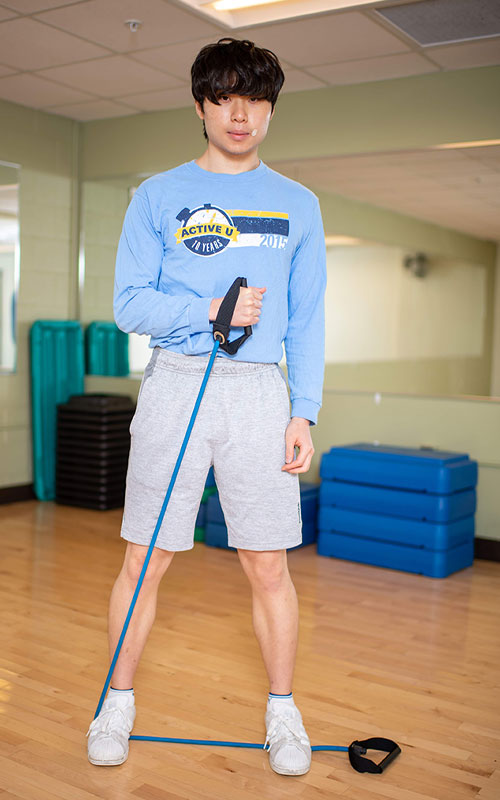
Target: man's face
pixel 229 125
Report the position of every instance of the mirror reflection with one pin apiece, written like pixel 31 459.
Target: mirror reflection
pixel 398 319
pixel 9 263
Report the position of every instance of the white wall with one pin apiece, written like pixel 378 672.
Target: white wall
pixel 495 357
pixel 377 310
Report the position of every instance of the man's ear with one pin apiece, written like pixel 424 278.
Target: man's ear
pixel 199 109
pixel 272 113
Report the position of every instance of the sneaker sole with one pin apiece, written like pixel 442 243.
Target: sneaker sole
pixel 282 771
pixel 100 763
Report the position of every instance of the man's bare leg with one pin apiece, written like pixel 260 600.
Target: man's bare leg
pixel 275 621
pixel 144 611
pixel 108 742
pixel 275 614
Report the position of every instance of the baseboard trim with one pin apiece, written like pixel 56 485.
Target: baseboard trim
pixel 487 549
pixel 16 494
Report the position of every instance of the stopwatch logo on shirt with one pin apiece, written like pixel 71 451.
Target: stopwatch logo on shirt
pixel 208 229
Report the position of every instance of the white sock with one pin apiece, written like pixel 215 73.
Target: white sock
pixel 275 699
pixel 125 693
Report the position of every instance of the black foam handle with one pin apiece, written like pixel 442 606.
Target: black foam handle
pixel 222 323
pixel 361 764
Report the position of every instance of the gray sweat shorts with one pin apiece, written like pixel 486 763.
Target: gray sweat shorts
pixel 240 429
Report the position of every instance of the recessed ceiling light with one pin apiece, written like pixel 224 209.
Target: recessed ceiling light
pixel 231 5
pixel 458 145
pixel 245 13
pixel 338 240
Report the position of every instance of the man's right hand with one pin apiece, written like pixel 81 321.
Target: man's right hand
pixel 246 310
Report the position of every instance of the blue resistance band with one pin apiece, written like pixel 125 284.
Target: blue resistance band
pixel 224 744
pixel 356 748
pixel 157 528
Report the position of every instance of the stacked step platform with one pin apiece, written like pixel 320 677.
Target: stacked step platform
pixel 201 519
pixel 216 530
pixel 93 443
pixel 410 509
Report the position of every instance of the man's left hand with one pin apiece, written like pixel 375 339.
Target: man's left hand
pixel 298 434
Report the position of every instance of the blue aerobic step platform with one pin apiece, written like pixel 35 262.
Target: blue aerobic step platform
pixel 210 488
pixel 215 526
pixel 404 508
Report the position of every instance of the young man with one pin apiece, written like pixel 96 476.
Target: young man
pixel 187 234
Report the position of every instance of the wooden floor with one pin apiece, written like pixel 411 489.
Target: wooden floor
pixel 380 653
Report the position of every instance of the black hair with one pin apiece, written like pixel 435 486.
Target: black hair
pixel 235 66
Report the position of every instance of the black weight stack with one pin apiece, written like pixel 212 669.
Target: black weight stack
pixel 93 443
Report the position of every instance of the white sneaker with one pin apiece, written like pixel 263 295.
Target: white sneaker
pixel 289 746
pixel 109 732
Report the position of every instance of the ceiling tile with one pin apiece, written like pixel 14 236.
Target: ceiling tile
pixel 469 54
pixel 6 71
pixel 27 44
pixel 110 77
pixel 175 59
pixel 485 155
pixel 297 81
pixel 374 69
pixel 159 101
pixel 457 193
pixel 326 39
pixel 32 6
pixel 30 90
pixel 96 109
pixel 5 13
pixel 103 21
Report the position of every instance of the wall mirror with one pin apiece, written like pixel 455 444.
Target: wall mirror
pixel 397 320
pixel 9 263
pixel 104 203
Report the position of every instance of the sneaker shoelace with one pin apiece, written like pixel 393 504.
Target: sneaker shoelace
pixel 284 727
pixel 107 721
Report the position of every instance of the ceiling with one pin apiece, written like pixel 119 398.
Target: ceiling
pixel 457 188
pixel 78 59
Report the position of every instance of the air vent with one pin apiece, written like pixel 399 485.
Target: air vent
pixel 439 21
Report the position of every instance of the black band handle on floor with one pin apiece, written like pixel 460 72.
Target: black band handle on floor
pixel 358 749
pixel 222 322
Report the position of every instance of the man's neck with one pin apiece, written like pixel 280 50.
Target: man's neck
pixel 215 160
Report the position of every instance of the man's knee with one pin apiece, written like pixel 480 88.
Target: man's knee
pixel 135 556
pixel 266 570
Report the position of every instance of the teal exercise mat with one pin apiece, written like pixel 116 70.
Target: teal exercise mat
pixel 106 349
pixel 57 372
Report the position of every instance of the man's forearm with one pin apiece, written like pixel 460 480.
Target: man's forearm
pixel 214 308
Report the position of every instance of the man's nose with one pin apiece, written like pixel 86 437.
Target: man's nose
pixel 239 111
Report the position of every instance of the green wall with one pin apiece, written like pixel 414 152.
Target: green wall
pixel 400 114
pixel 57 153
pixel 46 147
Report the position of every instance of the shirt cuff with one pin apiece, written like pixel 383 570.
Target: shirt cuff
pixel 308 409
pixel 198 315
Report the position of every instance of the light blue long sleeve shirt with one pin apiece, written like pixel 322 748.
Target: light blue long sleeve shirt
pixel 188 233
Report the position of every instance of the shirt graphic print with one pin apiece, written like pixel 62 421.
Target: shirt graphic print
pixel 208 229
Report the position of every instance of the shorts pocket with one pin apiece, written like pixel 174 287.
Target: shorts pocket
pixel 280 380
pixel 148 372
